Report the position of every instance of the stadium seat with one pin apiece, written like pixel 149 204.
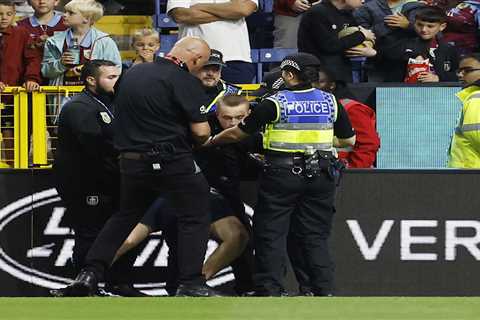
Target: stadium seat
pixel 167 41
pixel 163 20
pixel 268 55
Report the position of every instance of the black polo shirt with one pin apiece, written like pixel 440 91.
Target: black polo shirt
pixel 156 103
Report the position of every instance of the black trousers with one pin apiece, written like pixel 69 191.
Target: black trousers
pixel 185 192
pixel 87 221
pixel 305 205
pixel 242 266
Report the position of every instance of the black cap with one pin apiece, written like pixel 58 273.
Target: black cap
pixel 216 57
pixel 299 61
pixel 272 81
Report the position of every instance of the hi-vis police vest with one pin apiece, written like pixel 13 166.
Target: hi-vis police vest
pixel 227 89
pixel 304 118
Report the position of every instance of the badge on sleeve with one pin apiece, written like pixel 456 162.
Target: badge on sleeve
pixel 105 117
pixel 92 200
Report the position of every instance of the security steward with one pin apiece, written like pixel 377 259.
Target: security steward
pixel 210 75
pixel 298 184
pixel 159 117
pixel 86 168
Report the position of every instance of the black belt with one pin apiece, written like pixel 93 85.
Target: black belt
pixel 134 155
pixel 286 161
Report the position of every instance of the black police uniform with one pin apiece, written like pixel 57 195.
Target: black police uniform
pixel 156 103
pixel 289 199
pixel 87 174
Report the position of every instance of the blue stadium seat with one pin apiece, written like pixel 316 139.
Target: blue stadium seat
pixel 271 55
pixel 167 41
pixel 275 54
pixel 163 20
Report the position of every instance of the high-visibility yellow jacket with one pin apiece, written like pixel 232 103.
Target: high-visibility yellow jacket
pixel 465 146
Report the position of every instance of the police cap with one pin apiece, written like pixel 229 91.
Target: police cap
pixel 299 61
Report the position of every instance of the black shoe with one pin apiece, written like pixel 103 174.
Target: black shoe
pixel 84 285
pixel 197 291
pixel 124 290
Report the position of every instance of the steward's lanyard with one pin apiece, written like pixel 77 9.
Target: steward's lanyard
pixel 100 103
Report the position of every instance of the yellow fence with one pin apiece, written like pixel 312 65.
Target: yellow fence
pixel 28 124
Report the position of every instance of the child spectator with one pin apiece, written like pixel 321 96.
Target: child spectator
pixel 18 63
pixel 146 43
pixel 318 35
pixel 18 66
pixel 422 56
pixel 67 51
pixel 362 117
pixel 44 22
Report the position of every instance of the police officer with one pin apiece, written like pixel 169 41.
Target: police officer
pixel 159 117
pixel 297 187
pixel 86 167
pixel 210 75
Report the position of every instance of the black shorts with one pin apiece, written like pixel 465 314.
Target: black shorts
pixel 157 219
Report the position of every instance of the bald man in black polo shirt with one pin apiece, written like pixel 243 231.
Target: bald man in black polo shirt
pixel 159 117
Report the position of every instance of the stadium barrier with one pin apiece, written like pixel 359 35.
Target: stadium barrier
pixel 396 233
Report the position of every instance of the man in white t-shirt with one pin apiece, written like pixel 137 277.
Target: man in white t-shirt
pixel 221 23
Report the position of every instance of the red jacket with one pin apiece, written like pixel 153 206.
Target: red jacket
pixel 283 8
pixel 36 32
pixel 367 143
pixel 19 61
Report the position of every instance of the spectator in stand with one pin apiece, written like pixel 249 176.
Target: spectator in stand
pixel 287 18
pixel 465 146
pixel 362 117
pixel 421 56
pixel 222 25
pixel 318 34
pixel 19 65
pixel 146 43
pixel 463 26
pixel 67 51
pixel 44 22
pixel 385 16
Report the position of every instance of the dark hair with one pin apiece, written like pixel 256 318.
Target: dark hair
pixel 9 3
pixel 328 73
pixel 232 101
pixel 475 56
pixel 431 14
pixel 309 74
pixel 92 68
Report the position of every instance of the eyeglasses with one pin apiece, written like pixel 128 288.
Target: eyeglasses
pixel 466 70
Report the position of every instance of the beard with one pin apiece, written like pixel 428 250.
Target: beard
pixel 101 91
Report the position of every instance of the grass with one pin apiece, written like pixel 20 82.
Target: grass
pixel 370 308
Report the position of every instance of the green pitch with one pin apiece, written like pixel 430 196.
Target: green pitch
pixel 240 308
